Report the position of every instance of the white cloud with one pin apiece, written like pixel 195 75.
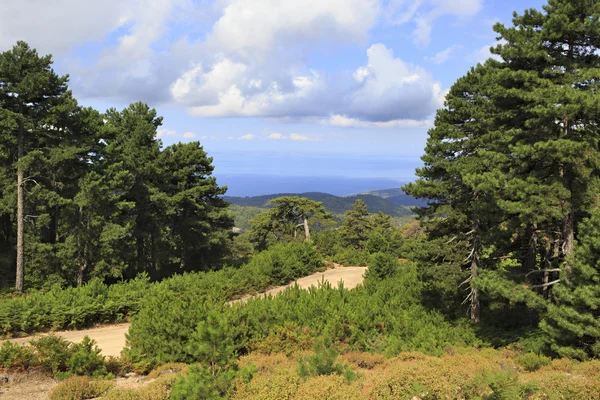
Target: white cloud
pixel 189 135
pixel 483 53
pixel 345 122
pixel 444 55
pixel 392 89
pixel 302 138
pixel 293 136
pixel 386 88
pixel 165 132
pixel 247 136
pixel 256 28
pixel 252 60
pixel 424 13
pixel 72 22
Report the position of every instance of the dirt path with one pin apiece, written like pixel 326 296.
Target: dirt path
pixel 111 338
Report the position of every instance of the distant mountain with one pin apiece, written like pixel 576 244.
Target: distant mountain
pixel 333 204
pixel 396 196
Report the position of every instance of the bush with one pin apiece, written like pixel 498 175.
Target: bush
pixel 532 362
pixel 200 383
pixel 16 357
pixel 86 359
pixel 283 263
pixel 323 362
pixel 52 353
pixel 364 360
pixel 352 257
pixel 80 387
pixel 287 339
pixel 72 308
pixel 382 266
pixel 504 385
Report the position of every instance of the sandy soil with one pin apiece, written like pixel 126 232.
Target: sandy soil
pixel 350 276
pixel 111 338
pixel 26 386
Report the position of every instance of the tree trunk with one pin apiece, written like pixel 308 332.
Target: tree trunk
pixel 20 211
pixel 568 234
pixel 532 249
pixel 306 229
pixel 475 306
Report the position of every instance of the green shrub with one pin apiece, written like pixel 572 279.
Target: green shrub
pixel 16 357
pixel 532 362
pixel 80 387
pixel 352 257
pixel 504 385
pixel 382 266
pixel 86 359
pixel 323 362
pixel 52 353
pixel 200 383
pixel 72 308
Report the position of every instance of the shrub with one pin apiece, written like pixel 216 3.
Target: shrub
pixel 286 339
pixel 16 357
pixel 352 257
pixel 504 385
pixel 72 307
pixel 532 362
pixel 86 359
pixel 382 266
pixel 364 360
pixel 200 383
pixel 323 362
pixel 52 353
pixel 80 387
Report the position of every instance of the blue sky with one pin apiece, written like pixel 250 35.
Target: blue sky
pixel 265 85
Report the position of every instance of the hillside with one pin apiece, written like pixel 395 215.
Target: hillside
pixel 396 196
pixel 333 204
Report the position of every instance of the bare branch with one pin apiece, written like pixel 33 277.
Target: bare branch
pixel 542 270
pixel 466 280
pixel 546 284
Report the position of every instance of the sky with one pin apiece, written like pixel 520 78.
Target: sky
pixel 281 87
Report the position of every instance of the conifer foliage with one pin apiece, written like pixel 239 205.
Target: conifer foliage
pixel 511 170
pixel 95 194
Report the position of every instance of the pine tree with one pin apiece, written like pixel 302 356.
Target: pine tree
pixel 197 215
pixel 283 220
pixel 33 98
pixel 357 225
pixel 459 177
pixel 573 320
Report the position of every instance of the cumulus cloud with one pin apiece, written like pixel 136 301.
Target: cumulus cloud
pixel 165 132
pixel 72 22
pixel 483 53
pixel 189 135
pixel 386 88
pixel 346 122
pixel 293 136
pixel 444 55
pixel 424 13
pixel 250 62
pixel 247 136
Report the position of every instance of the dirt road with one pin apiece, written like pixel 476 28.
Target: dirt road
pixel 111 338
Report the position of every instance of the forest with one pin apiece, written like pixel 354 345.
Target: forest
pixel 492 293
